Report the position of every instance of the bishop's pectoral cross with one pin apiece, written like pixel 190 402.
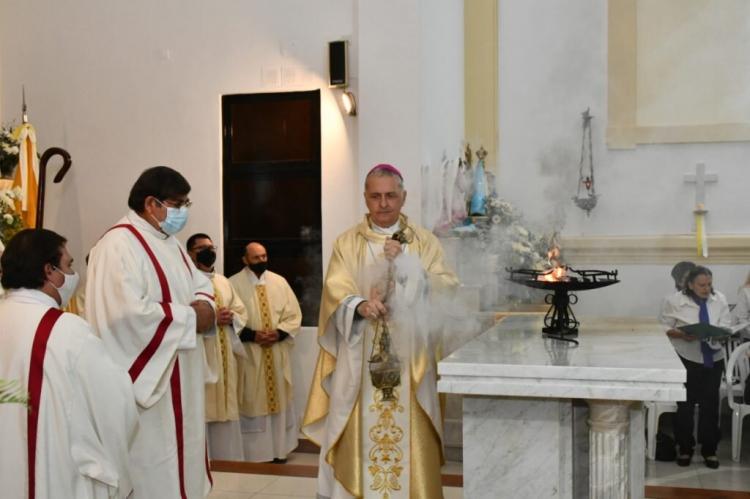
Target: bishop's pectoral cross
pixel 700 178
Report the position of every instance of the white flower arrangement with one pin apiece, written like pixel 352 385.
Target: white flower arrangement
pixel 494 241
pixel 501 212
pixel 12 150
pixel 507 236
pixel 11 221
pixel 9 150
pixel 502 233
pixel 8 197
pixel 522 232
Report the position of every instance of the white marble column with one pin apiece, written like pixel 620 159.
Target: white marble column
pixel 609 449
pixel 637 450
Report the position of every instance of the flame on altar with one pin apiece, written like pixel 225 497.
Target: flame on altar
pixel 558 271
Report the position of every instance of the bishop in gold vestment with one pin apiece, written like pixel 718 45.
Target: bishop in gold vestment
pixel 370 446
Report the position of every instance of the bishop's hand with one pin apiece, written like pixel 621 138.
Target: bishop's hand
pixel 373 308
pixel 391 249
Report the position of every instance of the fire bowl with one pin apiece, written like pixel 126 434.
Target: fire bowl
pixel 559 321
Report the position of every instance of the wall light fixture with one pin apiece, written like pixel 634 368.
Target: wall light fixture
pixel 350 103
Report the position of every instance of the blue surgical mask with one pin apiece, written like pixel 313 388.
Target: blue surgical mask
pixel 175 221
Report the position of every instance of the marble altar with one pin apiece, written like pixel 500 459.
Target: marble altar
pixel 522 412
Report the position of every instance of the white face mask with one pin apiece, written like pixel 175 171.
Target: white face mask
pixel 68 287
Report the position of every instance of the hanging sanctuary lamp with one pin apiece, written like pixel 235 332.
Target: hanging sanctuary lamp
pixel 586 196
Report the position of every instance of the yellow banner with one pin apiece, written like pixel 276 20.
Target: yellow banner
pixel 27 174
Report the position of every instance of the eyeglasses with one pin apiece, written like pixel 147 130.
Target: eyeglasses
pixel 176 204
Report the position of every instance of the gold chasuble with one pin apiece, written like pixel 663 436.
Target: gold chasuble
pixel 371 446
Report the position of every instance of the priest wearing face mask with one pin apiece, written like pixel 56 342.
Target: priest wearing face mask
pixel 73 438
pixel 148 302
pixel 269 423
pixel 223 346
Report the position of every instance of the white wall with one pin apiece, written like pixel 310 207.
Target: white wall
pixel 442 96
pixel 411 86
pixel 128 85
pixel 552 66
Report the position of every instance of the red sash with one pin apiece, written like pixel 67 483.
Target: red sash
pixel 36 378
pixel 166 296
pixel 153 345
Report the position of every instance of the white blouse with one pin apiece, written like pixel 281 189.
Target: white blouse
pixel 679 309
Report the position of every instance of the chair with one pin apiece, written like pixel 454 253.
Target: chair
pixel 738 361
pixel 738 381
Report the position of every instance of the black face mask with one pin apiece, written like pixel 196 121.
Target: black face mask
pixel 258 268
pixel 206 257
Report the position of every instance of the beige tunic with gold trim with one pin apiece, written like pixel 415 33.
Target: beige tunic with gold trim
pixel 223 348
pixel 269 424
pixel 371 447
pixel 222 344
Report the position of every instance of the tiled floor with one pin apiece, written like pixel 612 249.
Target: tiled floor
pixel 250 486
pixel 246 486
pixel 729 476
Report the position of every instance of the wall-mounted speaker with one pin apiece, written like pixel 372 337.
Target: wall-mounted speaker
pixel 338 75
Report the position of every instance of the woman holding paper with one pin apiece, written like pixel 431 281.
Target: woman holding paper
pixel 698 303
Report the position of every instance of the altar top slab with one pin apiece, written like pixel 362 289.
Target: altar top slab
pixel 617 359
